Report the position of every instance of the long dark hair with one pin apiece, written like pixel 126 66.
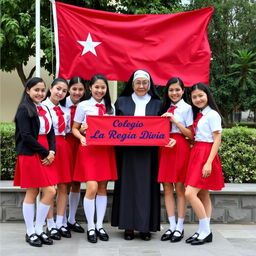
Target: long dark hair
pixel 54 82
pixel 211 101
pixel 25 98
pixel 106 97
pixel 128 89
pixel 75 80
pixel 167 101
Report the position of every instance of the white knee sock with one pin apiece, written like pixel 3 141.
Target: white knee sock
pixel 41 213
pixel 204 228
pixel 74 199
pixel 180 225
pixel 29 214
pixel 101 206
pixel 89 210
pixel 59 221
pixel 172 221
pixel 51 224
pixel 65 220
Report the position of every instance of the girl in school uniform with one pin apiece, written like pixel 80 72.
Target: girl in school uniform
pixel 173 162
pixel 204 167
pixel 95 165
pixel 61 118
pixel 35 146
pixel 76 91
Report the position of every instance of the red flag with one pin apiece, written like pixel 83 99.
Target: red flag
pixel 167 45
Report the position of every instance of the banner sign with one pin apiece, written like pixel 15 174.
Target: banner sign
pixel 128 130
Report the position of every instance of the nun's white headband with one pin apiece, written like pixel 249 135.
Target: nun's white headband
pixel 141 74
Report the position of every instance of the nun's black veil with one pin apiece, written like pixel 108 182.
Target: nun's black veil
pixel 128 90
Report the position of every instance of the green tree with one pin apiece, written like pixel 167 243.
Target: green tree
pixel 17 37
pixel 232 27
pixel 244 71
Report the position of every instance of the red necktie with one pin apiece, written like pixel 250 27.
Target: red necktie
pixel 72 112
pixel 42 113
pixel 171 110
pixel 194 125
pixel 102 109
pixel 61 121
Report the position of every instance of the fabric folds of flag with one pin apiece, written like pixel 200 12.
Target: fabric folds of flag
pixel 91 41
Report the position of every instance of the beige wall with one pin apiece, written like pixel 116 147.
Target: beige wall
pixel 11 90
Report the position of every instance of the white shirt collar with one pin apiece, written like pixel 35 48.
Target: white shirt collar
pixel 205 110
pixel 94 102
pixel 69 102
pixel 179 103
pixel 50 104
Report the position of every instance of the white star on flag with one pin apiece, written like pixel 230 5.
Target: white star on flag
pixel 89 45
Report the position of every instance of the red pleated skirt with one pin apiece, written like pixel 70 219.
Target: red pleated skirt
pixel 198 157
pixel 173 162
pixel 29 171
pixel 95 163
pixel 73 144
pixel 61 162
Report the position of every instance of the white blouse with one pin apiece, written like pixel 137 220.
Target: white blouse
pixel 87 108
pixel 183 114
pixel 66 116
pixel 209 123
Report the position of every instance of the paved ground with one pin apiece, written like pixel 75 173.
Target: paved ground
pixel 228 240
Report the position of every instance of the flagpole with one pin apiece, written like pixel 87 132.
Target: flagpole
pixel 38 38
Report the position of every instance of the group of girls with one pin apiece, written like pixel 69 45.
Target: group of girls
pixel 52 150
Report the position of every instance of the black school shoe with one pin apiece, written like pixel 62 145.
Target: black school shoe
pixel 146 236
pixel 53 234
pixel 92 238
pixel 129 235
pixel 175 238
pixel 64 232
pixel 167 235
pixel 45 239
pixel 207 239
pixel 192 238
pixel 76 227
pixel 102 234
pixel 33 240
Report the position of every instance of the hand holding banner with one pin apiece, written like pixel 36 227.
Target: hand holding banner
pixel 128 130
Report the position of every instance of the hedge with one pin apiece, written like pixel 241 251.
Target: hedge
pixel 7 150
pixel 237 153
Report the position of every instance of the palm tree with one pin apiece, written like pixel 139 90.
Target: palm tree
pixel 244 70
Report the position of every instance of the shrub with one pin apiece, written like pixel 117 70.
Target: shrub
pixel 238 154
pixel 7 150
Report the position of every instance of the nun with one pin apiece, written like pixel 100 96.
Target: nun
pixel 136 201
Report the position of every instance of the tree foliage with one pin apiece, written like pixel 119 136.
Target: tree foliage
pixel 232 28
